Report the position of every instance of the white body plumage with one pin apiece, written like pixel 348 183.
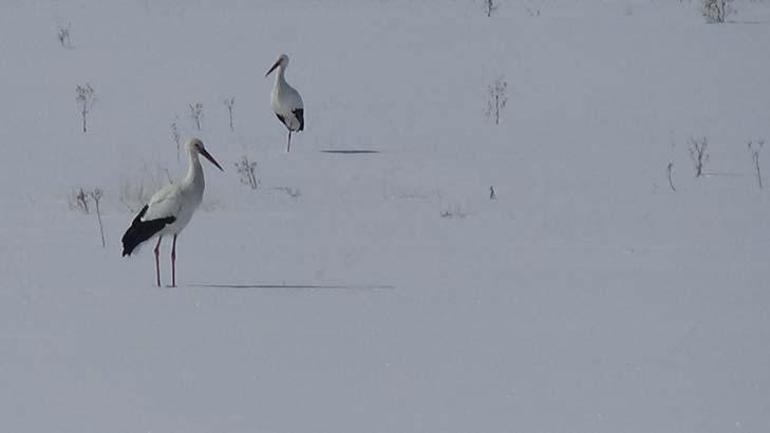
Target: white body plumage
pixel 178 200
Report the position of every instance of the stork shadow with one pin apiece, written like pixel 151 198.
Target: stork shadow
pixel 301 287
pixel 350 151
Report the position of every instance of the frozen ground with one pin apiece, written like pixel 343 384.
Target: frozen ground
pixel 588 297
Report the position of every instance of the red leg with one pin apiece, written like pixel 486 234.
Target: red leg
pixel 288 146
pixel 157 261
pixel 173 262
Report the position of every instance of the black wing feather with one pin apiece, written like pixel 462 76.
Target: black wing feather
pixel 282 119
pixel 140 230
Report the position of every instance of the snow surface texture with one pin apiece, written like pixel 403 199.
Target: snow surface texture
pixel 588 297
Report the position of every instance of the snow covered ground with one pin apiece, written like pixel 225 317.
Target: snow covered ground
pixel 588 297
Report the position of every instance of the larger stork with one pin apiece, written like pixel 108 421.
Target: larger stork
pixel 286 101
pixel 170 209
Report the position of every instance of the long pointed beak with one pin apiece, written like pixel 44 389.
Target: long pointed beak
pixel 211 159
pixel 272 68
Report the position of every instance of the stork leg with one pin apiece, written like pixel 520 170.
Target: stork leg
pixel 157 261
pixel 173 262
pixel 288 146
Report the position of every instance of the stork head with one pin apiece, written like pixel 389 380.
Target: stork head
pixel 283 61
pixel 195 147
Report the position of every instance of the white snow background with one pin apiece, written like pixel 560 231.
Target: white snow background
pixel 588 297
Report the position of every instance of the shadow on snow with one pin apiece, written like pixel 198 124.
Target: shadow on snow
pixel 360 287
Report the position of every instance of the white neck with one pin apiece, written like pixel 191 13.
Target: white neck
pixel 194 174
pixel 279 77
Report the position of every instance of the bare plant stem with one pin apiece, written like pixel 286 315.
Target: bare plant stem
pixel 82 199
pixel 101 226
pixel 85 97
pixel 754 148
pixel 229 103
pixel 176 137
pixel 96 194
pixel 698 154
pixel 669 170
pixel 196 112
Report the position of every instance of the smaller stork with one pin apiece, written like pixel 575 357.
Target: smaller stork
pixel 287 104
pixel 170 209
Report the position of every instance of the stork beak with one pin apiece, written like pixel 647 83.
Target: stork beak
pixel 275 65
pixel 211 159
